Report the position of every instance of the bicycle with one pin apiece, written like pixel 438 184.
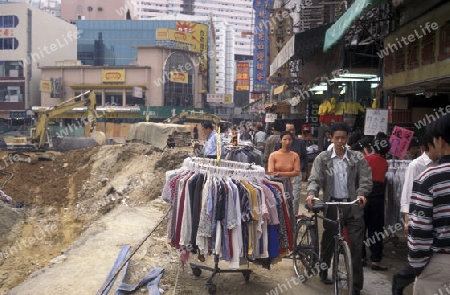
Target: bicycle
pixel 306 250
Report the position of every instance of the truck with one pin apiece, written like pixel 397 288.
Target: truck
pixel 35 146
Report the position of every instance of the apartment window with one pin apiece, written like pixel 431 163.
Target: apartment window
pixel 8 43
pixel 8 21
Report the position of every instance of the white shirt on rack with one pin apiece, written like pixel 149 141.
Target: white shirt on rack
pixel 413 170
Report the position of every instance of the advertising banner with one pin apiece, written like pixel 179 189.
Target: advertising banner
pixel 242 76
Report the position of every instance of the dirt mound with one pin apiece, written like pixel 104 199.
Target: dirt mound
pixel 64 197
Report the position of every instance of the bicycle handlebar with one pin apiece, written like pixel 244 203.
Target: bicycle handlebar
pixel 354 202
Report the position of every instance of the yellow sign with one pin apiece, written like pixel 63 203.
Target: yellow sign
pixel 46 86
pixel 179 77
pixel 175 35
pixel 113 75
pixel 228 99
pixel 199 38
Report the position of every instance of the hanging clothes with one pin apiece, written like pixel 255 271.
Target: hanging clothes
pixel 234 211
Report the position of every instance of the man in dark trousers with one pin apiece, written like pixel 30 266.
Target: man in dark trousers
pixel 343 175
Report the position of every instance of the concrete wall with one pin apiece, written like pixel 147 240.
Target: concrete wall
pixel 90 75
pixel 110 9
pixel 52 39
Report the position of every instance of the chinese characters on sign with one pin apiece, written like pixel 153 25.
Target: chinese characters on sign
pixel 242 78
pixel 376 121
pixel 261 41
pixel 399 141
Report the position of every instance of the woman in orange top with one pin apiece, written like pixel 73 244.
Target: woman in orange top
pixel 284 162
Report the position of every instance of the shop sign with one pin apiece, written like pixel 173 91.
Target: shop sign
pixel 242 76
pixel 399 140
pixel 46 86
pixel 261 41
pixel 376 121
pixel 271 117
pixel 113 75
pixel 217 97
pixel 137 92
pixel 179 77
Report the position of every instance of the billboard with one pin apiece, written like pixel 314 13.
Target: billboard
pixel 199 36
pixel 242 76
pixel 261 41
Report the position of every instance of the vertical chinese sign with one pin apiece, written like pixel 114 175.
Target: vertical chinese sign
pixel 261 41
pixel 242 76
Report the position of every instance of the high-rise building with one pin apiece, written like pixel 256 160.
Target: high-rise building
pixel 52 7
pixel 236 13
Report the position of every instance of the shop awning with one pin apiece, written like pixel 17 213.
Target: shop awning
pixel 279 89
pixel 338 29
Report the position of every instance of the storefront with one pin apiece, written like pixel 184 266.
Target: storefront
pixel 417 68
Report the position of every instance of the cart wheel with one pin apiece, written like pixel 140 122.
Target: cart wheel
pixel 212 289
pixel 247 277
pixel 196 271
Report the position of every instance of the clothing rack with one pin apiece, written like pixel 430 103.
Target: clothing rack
pixel 395 177
pixel 217 172
pixel 226 168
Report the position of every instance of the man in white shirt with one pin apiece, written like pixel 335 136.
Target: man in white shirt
pixel 210 147
pixel 428 159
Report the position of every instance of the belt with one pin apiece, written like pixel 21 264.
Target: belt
pixel 340 200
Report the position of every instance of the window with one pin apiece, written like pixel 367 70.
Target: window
pixel 428 48
pixel 444 41
pixel 8 43
pixel 90 8
pixel 8 21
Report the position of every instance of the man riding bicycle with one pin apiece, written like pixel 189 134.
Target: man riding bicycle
pixel 343 175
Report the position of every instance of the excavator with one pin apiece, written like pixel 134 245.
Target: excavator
pixel 35 147
pixel 198 117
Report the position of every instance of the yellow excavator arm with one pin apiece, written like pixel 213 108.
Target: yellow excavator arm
pixel 78 101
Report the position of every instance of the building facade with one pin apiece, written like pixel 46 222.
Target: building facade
pixel 154 81
pixel 96 10
pixel 24 49
pixel 236 13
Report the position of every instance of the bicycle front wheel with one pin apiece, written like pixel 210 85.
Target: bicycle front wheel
pixel 343 271
pixel 305 256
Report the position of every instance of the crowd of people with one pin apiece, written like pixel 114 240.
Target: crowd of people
pixel 358 167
